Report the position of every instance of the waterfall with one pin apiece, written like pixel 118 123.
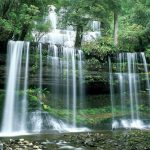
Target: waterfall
pixel 126 90
pixel 66 37
pixel 112 92
pixel 146 75
pixel 96 26
pixel 40 71
pixel 65 71
pixel 66 55
pixel 37 115
pixel 74 87
pixel 81 78
pixel 55 71
pixel 52 17
pixel 14 117
pixel 66 66
pixel 24 101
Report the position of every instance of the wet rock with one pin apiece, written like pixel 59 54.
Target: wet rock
pixel 89 142
pixel 44 143
pixel 35 147
pixel 17 146
pixel 26 142
pixel 21 140
pixel 99 148
pixel 1 146
pixel 116 144
pixel 44 147
pixel 12 141
pixel 19 149
pixel 30 144
pixel 40 146
pixel 25 147
pixel 21 144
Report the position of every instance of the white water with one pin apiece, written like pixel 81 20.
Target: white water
pixel 81 78
pixel 24 101
pixel 74 88
pixel 112 92
pixel 55 71
pixel 64 64
pixel 52 17
pixel 40 71
pixel 67 66
pixel 11 120
pixel 128 97
pixel 38 119
pixel 51 124
pixel 67 37
pixel 146 75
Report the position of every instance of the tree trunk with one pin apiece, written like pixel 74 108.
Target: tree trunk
pixel 115 29
pixel 79 35
pixel 24 32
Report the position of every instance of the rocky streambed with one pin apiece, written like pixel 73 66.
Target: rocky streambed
pixel 101 140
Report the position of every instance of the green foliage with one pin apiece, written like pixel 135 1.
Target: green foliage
pixel 134 26
pixel 35 99
pixel 84 116
pixel 17 21
pixel 99 48
pixel 129 39
pixel 148 50
pixel 17 18
pixel 41 28
pixel 141 14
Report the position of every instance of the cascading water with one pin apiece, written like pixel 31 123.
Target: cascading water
pixel 14 119
pixel 24 100
pixel 81 78
pixel 55 70
pixel 128 78
pixel 67 36
pixel 67 86
pixel 65 67
pixel 37 115
pixel 74 90
pixel 52 17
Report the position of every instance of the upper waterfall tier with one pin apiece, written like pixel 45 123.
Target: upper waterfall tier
pixel 67 35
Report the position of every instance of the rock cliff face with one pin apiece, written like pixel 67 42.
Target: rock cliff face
pixel 2 65
pixel 3 47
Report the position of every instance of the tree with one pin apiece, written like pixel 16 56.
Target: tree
pixel 115 8
pixel 17 17
pixel 41 28
pixel 79 13
pixel 134 25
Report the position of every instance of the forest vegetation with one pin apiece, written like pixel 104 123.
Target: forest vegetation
pixel 125 24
